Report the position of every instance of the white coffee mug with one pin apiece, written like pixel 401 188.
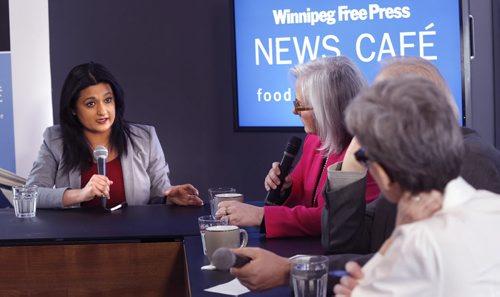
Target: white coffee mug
pixel 224 236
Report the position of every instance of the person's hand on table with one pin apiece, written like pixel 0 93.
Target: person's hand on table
pixel 350 281
pixel 265 270
pixel 183 195
pixel 240 214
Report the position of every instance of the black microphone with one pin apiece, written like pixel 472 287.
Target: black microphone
pixel 223 259
pixel 292 148
pixel 100 155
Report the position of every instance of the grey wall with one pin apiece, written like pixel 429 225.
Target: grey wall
pixel 496 57
pixel 173 59
pixel 482 79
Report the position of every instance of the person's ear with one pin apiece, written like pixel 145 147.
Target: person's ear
pixel 391 189
pixel 383 180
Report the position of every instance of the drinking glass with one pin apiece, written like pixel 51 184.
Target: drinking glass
pixel 213 192
pixel 24 199
pixel 309 276
pixel 208 221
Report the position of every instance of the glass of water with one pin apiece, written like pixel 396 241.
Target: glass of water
pixel 213 192
pixel 309 276
pixel 25 198
pixel 208 221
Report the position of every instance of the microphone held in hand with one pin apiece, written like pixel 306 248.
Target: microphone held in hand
pixel 101 155
pixel 223 259
pixel 292 148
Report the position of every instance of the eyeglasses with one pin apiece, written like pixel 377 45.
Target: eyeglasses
pixel 298 107
pixel 361 157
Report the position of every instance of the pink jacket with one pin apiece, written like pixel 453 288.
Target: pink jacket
pixel 299 215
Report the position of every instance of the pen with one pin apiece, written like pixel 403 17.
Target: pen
pixel 338 273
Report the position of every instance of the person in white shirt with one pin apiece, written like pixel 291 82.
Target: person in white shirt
pixel 413 148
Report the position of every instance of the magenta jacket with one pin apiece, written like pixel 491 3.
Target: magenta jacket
pixel 298 216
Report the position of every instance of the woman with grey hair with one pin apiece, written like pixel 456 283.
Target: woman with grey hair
pixel 372 224
pixel 324 88
pixel 414 149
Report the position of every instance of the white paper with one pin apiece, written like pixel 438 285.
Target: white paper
pixel 232 288
pixel 208 267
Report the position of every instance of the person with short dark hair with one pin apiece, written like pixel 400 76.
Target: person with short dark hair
pixel 91 114
pixel 414 150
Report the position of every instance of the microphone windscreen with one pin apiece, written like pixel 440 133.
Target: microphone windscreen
pixel 223 258
pixel 100 152
pixel 293 145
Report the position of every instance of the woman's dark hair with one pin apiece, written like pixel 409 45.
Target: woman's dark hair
pixel 77 154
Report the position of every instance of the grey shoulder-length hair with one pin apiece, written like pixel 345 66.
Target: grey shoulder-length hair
pixel 406 125
pixel 328 85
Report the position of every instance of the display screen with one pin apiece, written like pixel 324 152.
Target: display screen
pixel 271 36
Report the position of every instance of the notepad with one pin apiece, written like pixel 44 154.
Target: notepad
pixel 232 288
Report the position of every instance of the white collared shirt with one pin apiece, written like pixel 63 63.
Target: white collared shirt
pixel 454 253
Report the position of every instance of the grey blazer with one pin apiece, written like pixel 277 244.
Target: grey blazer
pixel 145 171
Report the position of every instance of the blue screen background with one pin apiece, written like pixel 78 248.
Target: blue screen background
pixel 254 21
pixel 7 149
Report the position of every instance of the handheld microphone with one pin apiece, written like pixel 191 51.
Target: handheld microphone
pixel 223 259
pixel 100 155
pixel 292 148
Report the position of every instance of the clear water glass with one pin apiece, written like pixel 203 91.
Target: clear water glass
pixel 216 191
pixel 309 276
pixel 24 199
pixel 208 221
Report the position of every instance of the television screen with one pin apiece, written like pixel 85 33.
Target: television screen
pixel 271 36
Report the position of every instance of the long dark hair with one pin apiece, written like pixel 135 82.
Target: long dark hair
pixel 76 152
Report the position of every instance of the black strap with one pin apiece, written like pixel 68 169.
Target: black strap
pixel 322 168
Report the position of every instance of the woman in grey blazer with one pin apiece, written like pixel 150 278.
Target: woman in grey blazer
pixel 91 115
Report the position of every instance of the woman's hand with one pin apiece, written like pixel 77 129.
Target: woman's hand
pixel 185 194
pixel 240 214
pixel 97 186
pixel 272 179
pixel 412 208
